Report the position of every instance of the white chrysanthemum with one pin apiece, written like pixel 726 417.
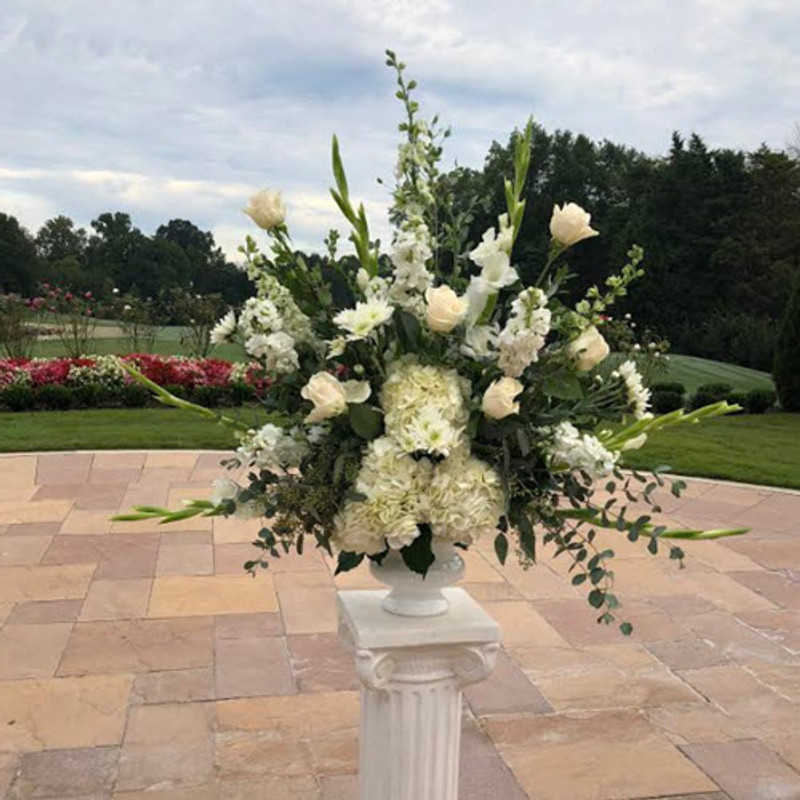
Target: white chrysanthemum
pixel 572 449
pixel 428 431
pixel 224 330
pixel 465 499
pixel 411 388
pixel 277 350
pixel 525 332
pixel 361 321
pixel 637 394
pixel 272 447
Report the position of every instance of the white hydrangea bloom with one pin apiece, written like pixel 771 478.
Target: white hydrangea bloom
pixel 525 332
pixel 361 321
pixel 224 330
pixel 272 447
pixel 572 449
pixel 637 394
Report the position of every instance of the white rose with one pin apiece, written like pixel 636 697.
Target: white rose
pixel 588 350
pixel 266 209
pixel 330 396
pixel 498 400
pixel 570 223
pixel 445 309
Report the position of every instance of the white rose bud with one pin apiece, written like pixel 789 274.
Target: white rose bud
pixel 330 396
pixel 445 309
pixel 266 209
pixel 588 350
pixel 498 399
pixel 570 224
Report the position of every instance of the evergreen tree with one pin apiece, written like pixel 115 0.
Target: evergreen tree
pixel 786 371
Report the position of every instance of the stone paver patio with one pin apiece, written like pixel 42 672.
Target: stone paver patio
pixel 138 662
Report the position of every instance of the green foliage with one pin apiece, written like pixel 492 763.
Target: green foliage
pixel 711 393
pixel 132 395
pixel 17 397
pixel 786 369
pixel 669 386
pixel 54 397
pixel 664 401
pixel 17 336
pixel 758 401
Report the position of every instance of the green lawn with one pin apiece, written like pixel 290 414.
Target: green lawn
pixel 110 429
pixel 755 449
pixel 752 448
pixel 693 372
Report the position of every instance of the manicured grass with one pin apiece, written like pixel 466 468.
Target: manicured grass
pixel 111 429
pixel 752 448
pixel 693 372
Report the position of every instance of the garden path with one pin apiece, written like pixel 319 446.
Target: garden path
pixel 138 662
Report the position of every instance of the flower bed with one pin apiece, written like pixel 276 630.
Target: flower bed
pixel 101 381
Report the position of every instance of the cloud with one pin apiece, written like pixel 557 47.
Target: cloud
pixel 183 109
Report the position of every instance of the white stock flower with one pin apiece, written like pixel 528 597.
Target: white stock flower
pixel 266 209
pixel 570 224
pixel 270 447
pixel 525 332
pixel 411 248
pixel 330 396
pixel 498 399
pixel 445 309
pixel 276 349
pixel 588 350
pixel 572 449
pixel 638 396
pixel 359 322
pixel 259 315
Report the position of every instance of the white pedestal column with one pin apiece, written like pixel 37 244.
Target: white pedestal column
pixel 413 670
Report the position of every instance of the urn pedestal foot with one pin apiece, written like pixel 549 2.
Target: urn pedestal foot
pixel 413 670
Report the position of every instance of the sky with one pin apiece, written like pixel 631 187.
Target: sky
pixel 183 108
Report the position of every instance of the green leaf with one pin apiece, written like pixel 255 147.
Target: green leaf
pixel 348 561
pixel 366 421
pixel 596 598
pixel 418 555
pixel 626 628
pixel 408 330
pixel 501 547
pixel 563 385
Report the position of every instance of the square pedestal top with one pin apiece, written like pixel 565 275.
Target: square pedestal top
pixel 372 627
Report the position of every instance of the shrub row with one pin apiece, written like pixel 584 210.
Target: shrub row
pixel 669 396
pixel 57 397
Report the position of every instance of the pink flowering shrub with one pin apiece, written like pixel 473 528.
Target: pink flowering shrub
pixel 105 374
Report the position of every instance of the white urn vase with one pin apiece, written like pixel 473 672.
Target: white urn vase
pixel 413 595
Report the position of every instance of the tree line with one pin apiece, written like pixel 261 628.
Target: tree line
pixel 116 255
pixel 720 229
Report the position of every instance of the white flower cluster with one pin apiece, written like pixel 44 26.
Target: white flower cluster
pixel 361 321
pixel 425 407
pixel 224 330
pixel 411 249
pixel 638 395
pixel 460 497
pixel 525 332
pixel 106 371
pixel 572 449
pixel 272 447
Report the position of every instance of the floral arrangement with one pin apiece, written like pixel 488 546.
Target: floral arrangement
pixel 426 395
